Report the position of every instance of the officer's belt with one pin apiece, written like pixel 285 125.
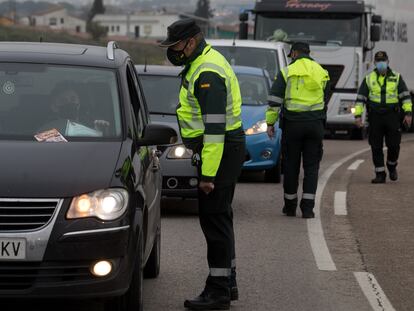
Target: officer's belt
pixel 383 108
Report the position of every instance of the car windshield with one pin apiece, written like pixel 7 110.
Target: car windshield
pixel 161 93
pixel 254 89
pixel 317 29
pixel 242 56
pixel 48 102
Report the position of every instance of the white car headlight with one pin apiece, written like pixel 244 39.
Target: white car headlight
pixel 346 107
pixel 179 152
pixel 258 128
pixel 107 204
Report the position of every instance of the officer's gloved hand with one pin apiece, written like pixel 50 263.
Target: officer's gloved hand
pixel 358 122
pixel 271 131
pixel 408 120
pixel 206 187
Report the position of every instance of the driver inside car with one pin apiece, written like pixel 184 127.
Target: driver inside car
pixel 65 111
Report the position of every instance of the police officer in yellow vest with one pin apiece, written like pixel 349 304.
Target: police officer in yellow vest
pixel 384 92
pixel 209 116
pixel 299 95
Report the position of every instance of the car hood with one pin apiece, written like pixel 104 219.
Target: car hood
pixel 252 114
pixel 55 170
pixel 169 120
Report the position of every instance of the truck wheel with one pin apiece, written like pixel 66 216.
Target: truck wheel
pixel 132 300
pixel 272 175
pixel 152 267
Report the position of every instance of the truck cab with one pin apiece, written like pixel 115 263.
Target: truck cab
pixel 342 35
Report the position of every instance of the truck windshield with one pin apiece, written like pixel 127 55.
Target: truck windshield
pixel 317 29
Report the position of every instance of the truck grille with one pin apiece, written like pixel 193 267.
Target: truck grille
pixel 23 275
pixel 23 214
pixel 335 73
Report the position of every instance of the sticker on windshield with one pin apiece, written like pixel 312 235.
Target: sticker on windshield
pixel 9 88
pixel 51 136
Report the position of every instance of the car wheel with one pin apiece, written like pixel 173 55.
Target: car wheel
pixel 273 175
pixel 152 267
pixel 132 300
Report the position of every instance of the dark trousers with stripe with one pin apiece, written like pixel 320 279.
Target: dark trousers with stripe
pixel 216 220
pixel 302 139
pixel 384 125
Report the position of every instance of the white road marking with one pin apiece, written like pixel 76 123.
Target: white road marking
pixel 372 290
pixel 340 203
pixel 354 166
pixel 317 240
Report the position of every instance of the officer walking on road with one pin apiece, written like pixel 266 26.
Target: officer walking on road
pixel 299 95
pixel 210 124
pixel 383 92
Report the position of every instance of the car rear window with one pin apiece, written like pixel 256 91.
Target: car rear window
pixel 76 102
pixel 161 93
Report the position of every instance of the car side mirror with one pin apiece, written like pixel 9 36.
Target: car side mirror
pixel 375 33
pixel 157 134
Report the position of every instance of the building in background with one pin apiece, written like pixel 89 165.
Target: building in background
pixel 56 18
pixel 137 25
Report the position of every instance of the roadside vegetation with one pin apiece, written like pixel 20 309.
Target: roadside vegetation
pixel 140 51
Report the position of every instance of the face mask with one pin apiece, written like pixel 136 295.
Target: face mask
pixel 381 66
pixel 177 58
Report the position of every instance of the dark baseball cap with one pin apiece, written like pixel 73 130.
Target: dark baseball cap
pixel 299 46
pixel 180 30
pixel 381 56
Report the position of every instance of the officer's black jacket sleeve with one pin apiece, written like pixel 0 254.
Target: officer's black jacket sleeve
pixel 362 99
pixel 211 93
pixel 277 92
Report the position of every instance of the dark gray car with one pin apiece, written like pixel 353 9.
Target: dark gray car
pixel 161 85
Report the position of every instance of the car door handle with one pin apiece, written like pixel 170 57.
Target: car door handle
pixel 155 160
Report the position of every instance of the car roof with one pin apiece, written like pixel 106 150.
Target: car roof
pixel 60 53
pixel 158 70
pixel 248 43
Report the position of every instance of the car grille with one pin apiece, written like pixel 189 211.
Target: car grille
pixel 22 214
pixel 335 73
pixel 22 275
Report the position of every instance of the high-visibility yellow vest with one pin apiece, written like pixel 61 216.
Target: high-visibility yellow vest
pixel 374 85
pixel 305 84
pixel 189 113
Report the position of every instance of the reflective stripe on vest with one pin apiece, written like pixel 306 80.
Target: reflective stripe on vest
pixel 305 83
pixel 375 89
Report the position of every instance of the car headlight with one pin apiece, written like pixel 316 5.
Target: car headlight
pixel 179 152
pixel 346 107
pixel 107 204
pixel 258 128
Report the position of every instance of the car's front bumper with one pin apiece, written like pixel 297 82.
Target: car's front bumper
pixel 69 252
pixel 262 153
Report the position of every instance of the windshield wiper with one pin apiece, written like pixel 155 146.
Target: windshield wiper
pixel 163 113
pixel 326 42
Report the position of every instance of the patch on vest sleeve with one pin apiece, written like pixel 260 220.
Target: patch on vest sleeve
pixel 205 86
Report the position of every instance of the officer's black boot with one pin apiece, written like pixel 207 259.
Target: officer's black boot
pixel 392 169
pixel 290 207
pixel 234 291
pixel 209 300
pixel 307 208
pixel 379 178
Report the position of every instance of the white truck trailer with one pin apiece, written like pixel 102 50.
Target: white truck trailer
pixel 344 35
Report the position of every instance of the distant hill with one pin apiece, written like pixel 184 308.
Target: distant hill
pixel 27 8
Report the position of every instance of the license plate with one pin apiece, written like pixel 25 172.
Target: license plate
pixel 12 249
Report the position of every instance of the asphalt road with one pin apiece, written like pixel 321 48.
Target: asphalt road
pixel 277 267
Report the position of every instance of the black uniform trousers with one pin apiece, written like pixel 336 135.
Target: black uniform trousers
pixel 384 125
pixel 216 220
pixel 301 139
